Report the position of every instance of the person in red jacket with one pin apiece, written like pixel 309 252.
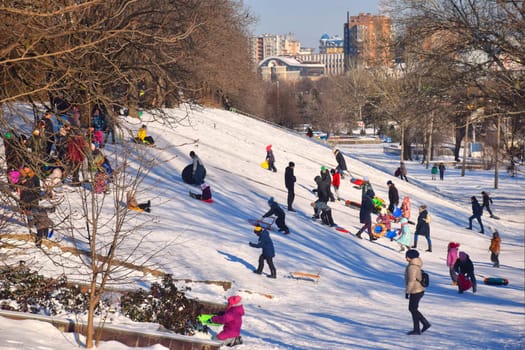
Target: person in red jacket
pixel 232 321
pixel 336 182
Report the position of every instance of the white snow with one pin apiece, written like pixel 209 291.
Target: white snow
pixel 359 301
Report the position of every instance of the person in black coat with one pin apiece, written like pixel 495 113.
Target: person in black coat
pixel 423 227
pixel 441 168
pixel 326 183
pixel 276 210
pixel 464 266
pixel 393 196
pixel 365 214
pixel 341 163
pixel 477 212
pixel 487 201
pixel 289 181
pixel 268 251
pixel 323 194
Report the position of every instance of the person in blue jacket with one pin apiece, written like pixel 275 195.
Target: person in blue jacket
pixel 268 251
pixel 477 212
pixel 276 210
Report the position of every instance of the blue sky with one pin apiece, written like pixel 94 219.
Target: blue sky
pixel 308 19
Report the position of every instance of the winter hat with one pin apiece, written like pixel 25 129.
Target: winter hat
pixel 453 245
pixel 463 256
pixel 257 229
pixel 412 254
pixel 234 300
pixel 292 164
pixel 389 182
pixel 271 201
pixel 269 147
pixel 204 185
pixel 8 135
pixel 323 168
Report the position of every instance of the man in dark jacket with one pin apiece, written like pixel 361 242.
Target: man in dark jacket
pixel 276 210
pixel 268 251
pixel 365 214
pixel 341 163
pixel 487 201
pixel 326 183
pixel 393 196
pixel 477 212
pixel 423 227
pixel 289 181
pixel 322 192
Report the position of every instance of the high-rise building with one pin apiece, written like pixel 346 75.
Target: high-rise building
pixel 367 41
pixel 269 45
pixel 331 45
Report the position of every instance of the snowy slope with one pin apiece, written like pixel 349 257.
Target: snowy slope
pixel 358 302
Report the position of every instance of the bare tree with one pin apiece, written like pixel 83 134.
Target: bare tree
pixel 69 56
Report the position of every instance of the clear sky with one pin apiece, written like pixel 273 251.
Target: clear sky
pixel 307 19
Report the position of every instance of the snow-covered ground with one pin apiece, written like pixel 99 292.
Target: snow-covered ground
pixel 359 301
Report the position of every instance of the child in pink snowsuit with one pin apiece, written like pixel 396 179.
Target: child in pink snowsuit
pixel 452 256
pixel 232 321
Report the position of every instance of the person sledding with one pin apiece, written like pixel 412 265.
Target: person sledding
pixel 465 270
pixel 142 136
pixel 134 205
pixel 384 221
pixel 276 210
pixel 205 196
pixel 198 170
pixel 322 210
pixel 231 318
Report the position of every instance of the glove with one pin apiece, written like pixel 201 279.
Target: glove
pixel 406 295
pixel 251 244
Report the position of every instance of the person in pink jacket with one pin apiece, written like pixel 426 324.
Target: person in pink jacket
pixel 405 207
pixel 232 321
pixel 452 256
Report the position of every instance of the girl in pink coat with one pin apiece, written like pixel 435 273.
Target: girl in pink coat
pixel 232 321
pixel 405 207
pixel 452 256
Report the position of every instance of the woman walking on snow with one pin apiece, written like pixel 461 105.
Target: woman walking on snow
pixel 414 291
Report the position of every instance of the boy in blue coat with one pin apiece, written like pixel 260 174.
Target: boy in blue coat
pixel 268 251
pixel 276 210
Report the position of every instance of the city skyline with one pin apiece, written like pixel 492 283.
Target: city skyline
pixel 308 20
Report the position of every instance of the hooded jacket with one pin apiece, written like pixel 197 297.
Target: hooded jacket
pixel 464 265
pixel 413 276
pixel 452 254
pixel 231 319
pixel 266 243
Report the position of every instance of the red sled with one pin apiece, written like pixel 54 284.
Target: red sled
pixel 464 283
pixel 496 281
pixel 356 181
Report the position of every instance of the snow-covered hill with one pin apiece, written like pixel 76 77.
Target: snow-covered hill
pixel 359 301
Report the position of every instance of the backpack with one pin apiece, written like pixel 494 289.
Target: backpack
pixel 425 279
